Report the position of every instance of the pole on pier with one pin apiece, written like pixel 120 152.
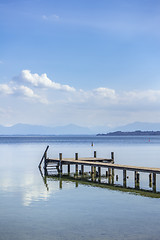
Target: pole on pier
pixel 95 154
pixel 124 178
pixel 154 182
pixel 60 162
pixel 76 158
pixel 112 157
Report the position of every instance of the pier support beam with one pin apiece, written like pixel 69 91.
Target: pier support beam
pixel 76 158
pixel 137 178
pixel 112 175
pixel 69 169
pixel 150 180
pixel 154 182
pixel 109 175
pixel 60 162
pixel 124 178
pixel 82 170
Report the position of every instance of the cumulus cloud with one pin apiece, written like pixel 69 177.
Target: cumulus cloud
pixel 41 81
pixel 22 91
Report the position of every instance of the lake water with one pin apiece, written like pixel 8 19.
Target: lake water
pixel 64 209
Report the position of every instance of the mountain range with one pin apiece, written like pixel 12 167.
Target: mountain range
pixel 26 129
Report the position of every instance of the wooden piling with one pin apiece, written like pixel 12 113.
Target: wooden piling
pixel 112 156
pixel 150 180
pixel 154 182
pixel 95 154
pixel 99 171
pixel 69 169
pixel 76 158
pixel 124 178
pixel 82 169
pixel 60 162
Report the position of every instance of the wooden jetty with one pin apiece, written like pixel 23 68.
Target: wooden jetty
pixel 97 164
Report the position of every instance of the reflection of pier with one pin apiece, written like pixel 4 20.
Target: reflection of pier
pixel 96 165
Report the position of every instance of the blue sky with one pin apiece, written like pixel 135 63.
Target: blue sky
pixel 84 62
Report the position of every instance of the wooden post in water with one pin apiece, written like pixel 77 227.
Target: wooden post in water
pixel 150 180
pixel 99 174
pixel 109 175
pixel 112 175
pixel 112 157
pixel 60 162
pixel 82 170
pixel 154 182
pixel 69 169
pixel 124 178
pixel 137 179
pixel 76 158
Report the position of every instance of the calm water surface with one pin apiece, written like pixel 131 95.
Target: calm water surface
pixel 29 210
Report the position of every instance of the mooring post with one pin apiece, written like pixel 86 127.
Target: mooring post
pixel 154 182
pixel 150 180
pixel 95 154
pixel 76 158
pixel 112 157
pixel 124 177
pixel 60 162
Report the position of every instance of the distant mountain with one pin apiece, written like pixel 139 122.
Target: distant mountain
pixel 26 129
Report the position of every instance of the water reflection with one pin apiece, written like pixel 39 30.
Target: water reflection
pixel 99 182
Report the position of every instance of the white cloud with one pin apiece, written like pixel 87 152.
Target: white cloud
pixel 105 92
pixel 21 91
pixel 5 89
pixel 42 81
pixel 52 17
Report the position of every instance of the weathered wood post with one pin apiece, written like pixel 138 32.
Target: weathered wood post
pixel 60 183
pixel 60 162
pixel 154 182
pixel 150 180
pixel 109 175
pixel 76 158
pixel 112 157
pixel 137 179
pixel 124 177
pixel 99 174
pixel 82 170
pixel 95 155
pixel 69 169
